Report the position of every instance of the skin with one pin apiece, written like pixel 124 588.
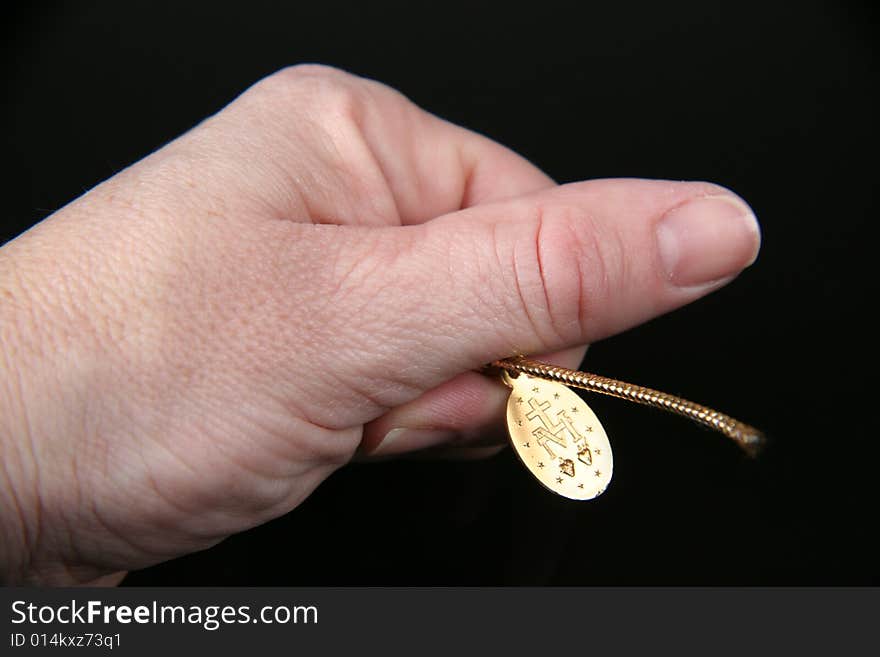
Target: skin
pixel 191 347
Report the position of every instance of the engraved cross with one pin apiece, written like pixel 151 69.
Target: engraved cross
pixel 538 411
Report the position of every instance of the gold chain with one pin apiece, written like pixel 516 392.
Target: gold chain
pixel 750 439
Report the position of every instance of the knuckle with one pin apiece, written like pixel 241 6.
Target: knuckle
pixel 518 254
pixel 532 281
pixel 597 255
pixel 558 268
pixel 327 92
pixel 564 271
pixel 291 77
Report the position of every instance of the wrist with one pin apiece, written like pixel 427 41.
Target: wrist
pixel 56 360
pixel 38 496
pixel 19 506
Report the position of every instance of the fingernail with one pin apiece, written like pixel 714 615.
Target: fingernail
pixel 707 239
pixel 398 441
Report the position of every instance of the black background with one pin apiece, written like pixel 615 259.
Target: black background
pixel 775 100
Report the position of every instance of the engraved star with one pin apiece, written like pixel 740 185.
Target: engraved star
pixel 558 480
pixel 588 429
pixel 540 464
pixel 555 395
pixel 598 451
pixel 598 474
pixel 525 444
pixel 519 423
pixel 574 409
pixel 580 485
pixel 536 389
pixel 519 400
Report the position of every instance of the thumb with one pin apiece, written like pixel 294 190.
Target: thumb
pixel 538 274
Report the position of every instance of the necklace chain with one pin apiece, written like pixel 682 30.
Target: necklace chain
pixel 750 439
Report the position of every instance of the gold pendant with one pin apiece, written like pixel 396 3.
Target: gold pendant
pixel 558 437
pixel 561 441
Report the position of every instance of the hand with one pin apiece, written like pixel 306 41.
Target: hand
pixel 189 349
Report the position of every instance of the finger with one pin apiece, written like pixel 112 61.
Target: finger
pixel 442 453
pixel 531 275
pixel 316 144
pixel 466 413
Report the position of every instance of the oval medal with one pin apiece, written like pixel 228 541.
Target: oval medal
pixel 558 437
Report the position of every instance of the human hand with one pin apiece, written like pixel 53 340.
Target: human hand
pixel 189 349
